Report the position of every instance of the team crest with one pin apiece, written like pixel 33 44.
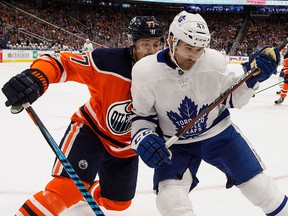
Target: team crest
pixel 119 117
pixel 187 112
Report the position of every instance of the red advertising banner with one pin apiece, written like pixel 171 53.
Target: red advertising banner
pixel 0 55
pixel 256 2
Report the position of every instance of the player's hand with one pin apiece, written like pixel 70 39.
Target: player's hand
pixel 151 148
pixel 266 60
pixel 25 87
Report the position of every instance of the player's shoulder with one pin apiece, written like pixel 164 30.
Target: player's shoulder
pixel 145 66
pixel 99 53
pixel 214 59
pixel 148 62
pixel 212 53
pixel 116 60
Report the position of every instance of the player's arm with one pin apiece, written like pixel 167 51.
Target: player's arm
pixel 30 84
pixel 63 67
pixel 145 141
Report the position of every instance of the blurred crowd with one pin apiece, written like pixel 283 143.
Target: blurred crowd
pixel 263 31
pixel 58 26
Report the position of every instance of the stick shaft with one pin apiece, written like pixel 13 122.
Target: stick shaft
pixel 64 161
pixel 217 101
pixel 269 87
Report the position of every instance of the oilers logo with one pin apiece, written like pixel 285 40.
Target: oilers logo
pixel 118 117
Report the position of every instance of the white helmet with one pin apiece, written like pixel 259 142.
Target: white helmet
pixel 190 28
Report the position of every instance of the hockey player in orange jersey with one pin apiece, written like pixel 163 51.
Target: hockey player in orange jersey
pixel 97 141
pixel 284 88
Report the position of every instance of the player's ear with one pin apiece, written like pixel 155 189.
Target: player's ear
pixel 169 39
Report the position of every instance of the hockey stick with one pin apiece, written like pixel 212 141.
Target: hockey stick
pixel 217 101
pixel 62 158
pixel 268 88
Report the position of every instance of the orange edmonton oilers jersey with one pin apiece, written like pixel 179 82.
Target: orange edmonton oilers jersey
pixel 285 66
pixel 107 74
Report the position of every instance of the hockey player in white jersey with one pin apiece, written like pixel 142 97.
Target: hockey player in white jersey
pixel 169 89
pixel 88 46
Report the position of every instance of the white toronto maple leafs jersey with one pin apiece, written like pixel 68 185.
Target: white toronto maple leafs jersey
pixel 162 94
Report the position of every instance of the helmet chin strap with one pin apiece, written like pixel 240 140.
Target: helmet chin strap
pixel 172 53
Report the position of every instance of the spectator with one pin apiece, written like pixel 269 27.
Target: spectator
pixel 88 46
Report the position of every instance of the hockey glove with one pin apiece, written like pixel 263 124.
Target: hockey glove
pixel 151 148
pixel 266 60
pixel 25 87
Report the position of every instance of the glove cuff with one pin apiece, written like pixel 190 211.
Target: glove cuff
pixel 251 82
pixel 246 67
pixel 139 136
pixel 39 77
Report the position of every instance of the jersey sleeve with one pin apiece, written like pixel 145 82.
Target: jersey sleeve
pixel 226 78
pixel 144 114
pixel 65 66
pixel 241 96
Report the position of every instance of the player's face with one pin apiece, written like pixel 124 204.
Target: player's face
pixel 186 55
pixel 146 46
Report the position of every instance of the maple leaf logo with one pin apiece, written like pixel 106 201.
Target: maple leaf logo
pixel 187 112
